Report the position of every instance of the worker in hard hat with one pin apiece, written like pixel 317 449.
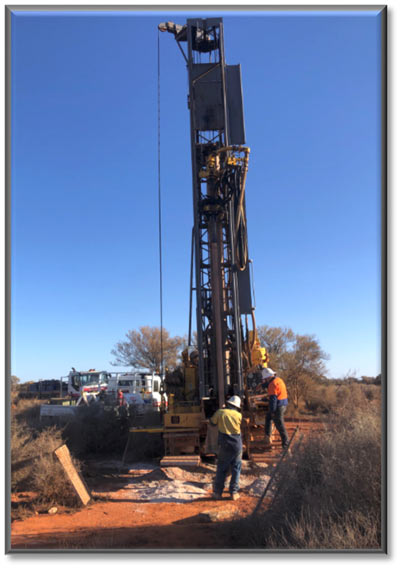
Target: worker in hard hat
pixel 277 405
pixel 228 420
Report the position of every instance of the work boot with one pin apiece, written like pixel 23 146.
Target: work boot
pixel 216 496
pixel 235 496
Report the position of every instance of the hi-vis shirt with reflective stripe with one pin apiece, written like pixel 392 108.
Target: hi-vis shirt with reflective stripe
pixel 227 420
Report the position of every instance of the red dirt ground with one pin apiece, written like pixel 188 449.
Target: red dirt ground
pixel 118 520
pixel 131 525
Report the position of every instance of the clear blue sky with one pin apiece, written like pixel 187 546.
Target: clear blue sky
pixel 84 181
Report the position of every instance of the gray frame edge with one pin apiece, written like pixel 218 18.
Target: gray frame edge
pixel 383 11
pixel 384 278
pixel 7 254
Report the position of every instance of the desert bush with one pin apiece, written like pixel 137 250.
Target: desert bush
pixel 327 494
pixel 97 430
pixel 321 400
pixel 352 396
pixel 50 482
pixel 35 468
pixel 293 411
pixel 145 446
pixel 372 393
pixel 354 530
pixel 27 412
pixel 21 455
pixel 335 399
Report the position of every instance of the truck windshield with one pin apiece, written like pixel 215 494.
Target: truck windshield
pixel 104 377
pixel 87 379
pixel 92 379
pixel 125 382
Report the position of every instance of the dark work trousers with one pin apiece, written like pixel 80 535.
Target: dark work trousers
pixel 279 422
pixel 229 458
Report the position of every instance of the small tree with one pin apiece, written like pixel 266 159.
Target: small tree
pixel 299 359
pixel 367 380
pixel 14 383
pixel 142 350
pixel 304 361
pixel 277 341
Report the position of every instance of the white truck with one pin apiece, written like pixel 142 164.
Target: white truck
pixel 90 382
pixel 148 385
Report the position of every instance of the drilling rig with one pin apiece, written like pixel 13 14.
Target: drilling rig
pixel 227 356
pixel 227 353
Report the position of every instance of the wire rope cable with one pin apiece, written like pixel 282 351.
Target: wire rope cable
pixel 159 203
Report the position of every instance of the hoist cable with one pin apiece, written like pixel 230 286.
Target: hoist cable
pixel 159 203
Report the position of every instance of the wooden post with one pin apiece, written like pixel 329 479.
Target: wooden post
pixel 74 477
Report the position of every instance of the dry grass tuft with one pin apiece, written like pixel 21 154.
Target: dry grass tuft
pixel 34 467
pixel 327 494
pixel 336 399
pixel 27 412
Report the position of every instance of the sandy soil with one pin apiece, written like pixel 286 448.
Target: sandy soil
pixel 147 507
pixel 142 506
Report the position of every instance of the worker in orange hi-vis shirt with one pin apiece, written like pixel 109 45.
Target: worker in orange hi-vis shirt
pixel 120 396
pixel 278 401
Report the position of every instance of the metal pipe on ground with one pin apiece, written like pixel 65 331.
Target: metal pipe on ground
pixel 275 472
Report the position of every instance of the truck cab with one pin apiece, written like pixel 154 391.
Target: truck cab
pixel 91 381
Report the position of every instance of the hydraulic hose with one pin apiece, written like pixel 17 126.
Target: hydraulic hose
pixel 240 229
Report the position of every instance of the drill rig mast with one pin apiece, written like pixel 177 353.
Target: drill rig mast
pixel 228 353
pixel 219 168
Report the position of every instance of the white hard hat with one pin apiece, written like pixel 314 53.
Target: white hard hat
pixel 234 401
pixel 268 373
